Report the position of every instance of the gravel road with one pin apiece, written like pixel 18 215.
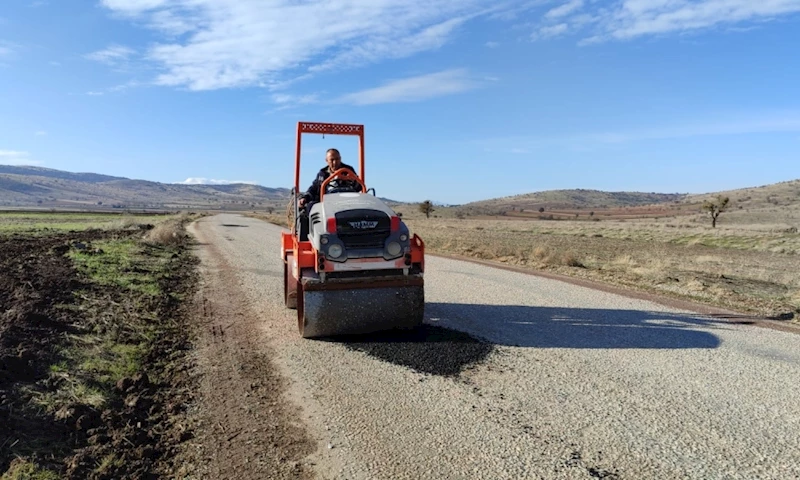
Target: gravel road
pixel 516 376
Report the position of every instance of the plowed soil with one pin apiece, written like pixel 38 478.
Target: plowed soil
pixel 137 428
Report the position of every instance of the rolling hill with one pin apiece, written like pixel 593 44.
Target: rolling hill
pixel 49 188
pixel 563 204
pixel 27 187
pixel 569 199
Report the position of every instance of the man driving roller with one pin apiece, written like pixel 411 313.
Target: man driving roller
pixel 334 160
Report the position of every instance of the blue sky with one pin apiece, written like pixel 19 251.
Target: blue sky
pixel 461 99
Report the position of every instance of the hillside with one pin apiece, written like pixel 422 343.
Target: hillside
pixel 43 187
pixel 765 196
pixel 51 173
pixel 771 201
pixel 567 200
pixel 24 187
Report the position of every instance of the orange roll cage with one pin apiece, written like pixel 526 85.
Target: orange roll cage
pixel 302 251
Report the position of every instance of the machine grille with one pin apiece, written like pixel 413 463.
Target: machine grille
pixel 363 228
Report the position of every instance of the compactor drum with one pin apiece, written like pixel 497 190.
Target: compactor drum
pixel 353 267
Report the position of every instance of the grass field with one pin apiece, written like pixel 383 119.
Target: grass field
pixel 47 222
pixel 745 267
pixel 92 342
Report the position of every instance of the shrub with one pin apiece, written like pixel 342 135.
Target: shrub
pixel 169 232
pixel 571 260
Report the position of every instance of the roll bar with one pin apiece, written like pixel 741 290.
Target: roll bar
pixel 329 129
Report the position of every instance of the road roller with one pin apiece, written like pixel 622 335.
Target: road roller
pixel 351 265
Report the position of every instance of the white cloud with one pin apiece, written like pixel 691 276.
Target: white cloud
pixel 12 153
pixel 112 55
pixel 14 157
pixel 551 31
pixel 492 44
pixel 429 38
pixel 268 43
pixel 286 100
pixel 133 7
pixel 515 9
pixel 7 49
pixel 746 123
pixel 564 9
pixel 40 133
pixel 412 89
pixel 211 181
pixel 627 19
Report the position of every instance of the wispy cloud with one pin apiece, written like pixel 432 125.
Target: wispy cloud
pixel 550 31
pixel 15 157
pixel 730 124
pixel 224 44
pixel 113 55
pixel 628 19
pixel 7 49
pixel 116 88
pixel 428 38
pixel 40 133
pixel 211 181
pixel 413 89
pixel 286 100
pixel 745 125
pixel 564 9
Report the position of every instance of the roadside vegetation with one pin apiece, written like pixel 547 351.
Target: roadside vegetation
pixel 742 254
pixel 747 262
pixel 92 344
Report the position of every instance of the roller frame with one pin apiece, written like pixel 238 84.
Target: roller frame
pixel 363 304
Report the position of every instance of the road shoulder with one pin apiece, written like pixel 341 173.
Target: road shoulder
pixel 245 426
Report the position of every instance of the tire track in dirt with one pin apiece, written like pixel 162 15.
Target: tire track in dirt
pixel 243 426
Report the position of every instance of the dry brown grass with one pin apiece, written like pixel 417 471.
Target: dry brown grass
pixel 170 231
pixel 746 267
pixel 167 233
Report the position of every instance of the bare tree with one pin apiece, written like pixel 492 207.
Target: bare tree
pixel 426 207
pixel 715 207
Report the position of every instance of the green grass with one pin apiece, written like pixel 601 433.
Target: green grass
pixel 24 470
pixel 118 326
pixel 108 463
pixel 110 362
pixel 122 263
pixel 51 222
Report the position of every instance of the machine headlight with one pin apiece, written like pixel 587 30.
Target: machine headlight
pixel 403 237
pixel 324 240
pixel 335 251
pixel 393 248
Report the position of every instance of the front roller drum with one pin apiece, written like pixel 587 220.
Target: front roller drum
pixel 324 313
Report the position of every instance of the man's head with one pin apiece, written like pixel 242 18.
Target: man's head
pixel 334 159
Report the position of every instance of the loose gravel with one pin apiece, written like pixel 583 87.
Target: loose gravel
pixel 517 376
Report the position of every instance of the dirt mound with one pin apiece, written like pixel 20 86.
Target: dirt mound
pixel 133 434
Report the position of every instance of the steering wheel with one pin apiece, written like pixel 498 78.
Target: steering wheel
pixel 342 175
